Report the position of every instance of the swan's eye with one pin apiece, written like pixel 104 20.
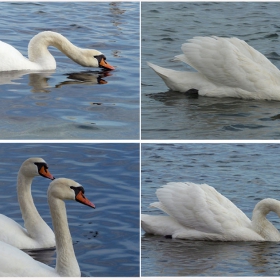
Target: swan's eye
pixel 41 165
pixel 100 57
pixel 78 189
pixel 43 170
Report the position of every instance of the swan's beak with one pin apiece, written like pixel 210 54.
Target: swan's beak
pixel 105 65
pixel 80 197
pixel 46 173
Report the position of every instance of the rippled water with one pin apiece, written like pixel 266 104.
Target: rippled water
pixel 244 173
pixel 69 103
pixel 172 115
pixel 106 239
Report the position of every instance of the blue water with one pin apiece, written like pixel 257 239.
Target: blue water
pixel 244 173
pixel 172 115
pixel 106 239
pixel 69 103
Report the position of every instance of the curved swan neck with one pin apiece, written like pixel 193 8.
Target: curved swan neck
pixel 66 262
pixel 259 222
pixel 34 224
pixel 38 49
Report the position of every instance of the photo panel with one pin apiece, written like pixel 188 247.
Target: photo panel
pixel 69 70
pixel 209 71
pixel 105 238
pixel 209 210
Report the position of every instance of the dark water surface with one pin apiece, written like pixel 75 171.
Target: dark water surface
pixel 106 239
pixel 244 173
pixel 69 103
pixel 172 115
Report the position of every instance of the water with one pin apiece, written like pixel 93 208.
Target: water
pixel 106 239
pixel 244 173
pixel 171 115
pixel 69 103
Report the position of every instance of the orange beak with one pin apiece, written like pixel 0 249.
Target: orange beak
pixel 82 199
pixel 102 82
pixel 106 65
pixel 46 173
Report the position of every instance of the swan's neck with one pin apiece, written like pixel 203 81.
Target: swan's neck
pixel 66 262
pixel 259 222
pixel 38 49
pixel 34 224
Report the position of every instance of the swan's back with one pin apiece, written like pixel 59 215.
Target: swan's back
pixel 11 58
pixel 230 62
pixel 200 207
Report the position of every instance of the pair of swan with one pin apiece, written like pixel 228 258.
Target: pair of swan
pixel 13 261
pixel 199 212
pixel 226 67
pixel 41 59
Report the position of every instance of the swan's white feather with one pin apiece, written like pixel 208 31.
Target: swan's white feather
pixel 200 207
pixel 227 67
pixel 14 263
pixel 12 59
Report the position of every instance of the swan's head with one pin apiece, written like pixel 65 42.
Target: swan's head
pixel 94 58
pixel 35 167
pixel 67 189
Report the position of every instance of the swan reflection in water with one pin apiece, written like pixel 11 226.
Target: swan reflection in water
pixel 174 257
pixel 39 81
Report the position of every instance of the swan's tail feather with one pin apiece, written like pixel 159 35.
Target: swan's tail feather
pixel 159 225
pixel 184 81
pixel 176 80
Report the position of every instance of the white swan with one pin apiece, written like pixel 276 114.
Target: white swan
pixel 226 67
pixel 36 234
pixel 199 212
pixel 41 59
pixel 15 263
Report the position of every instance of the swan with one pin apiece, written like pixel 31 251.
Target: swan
pixel 199 212
pixel 15 263
pixel 226 67
pixel 41 59
pixel 36 234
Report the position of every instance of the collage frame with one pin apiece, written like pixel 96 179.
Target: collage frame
pixel 217 137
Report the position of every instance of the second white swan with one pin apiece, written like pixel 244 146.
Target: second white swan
pixel 226 67
pixel 199 212
pixel 41 59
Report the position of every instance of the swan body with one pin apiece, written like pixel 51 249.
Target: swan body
pixel 199 212
pixel 36 234
pixel 226 67
pixel 14 262
pixel 41 59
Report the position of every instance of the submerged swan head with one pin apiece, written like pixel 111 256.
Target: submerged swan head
pixel 35 167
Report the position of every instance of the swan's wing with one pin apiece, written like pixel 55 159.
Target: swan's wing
pixel 229 62
pixel 199 207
